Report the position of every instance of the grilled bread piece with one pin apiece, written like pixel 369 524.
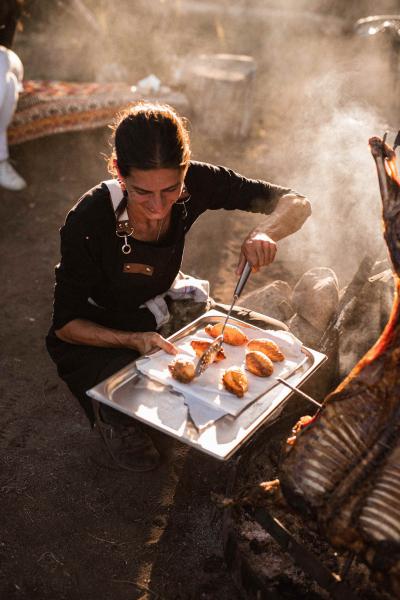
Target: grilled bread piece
pixel 182 370
pixel 200 346
pixel 268 347
pixel 232 335
pixel 259 364
pixel 235 381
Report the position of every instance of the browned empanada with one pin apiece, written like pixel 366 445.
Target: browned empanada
pixel 268 347
pixel 232 334
pixel 259 363
pixel 235 381
pixel 182 370
pixel 200 346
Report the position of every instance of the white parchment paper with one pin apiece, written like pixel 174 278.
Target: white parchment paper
pixel 206 397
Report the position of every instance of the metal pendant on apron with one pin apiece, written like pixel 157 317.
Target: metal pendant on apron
pixel 123 234
pixel 123 229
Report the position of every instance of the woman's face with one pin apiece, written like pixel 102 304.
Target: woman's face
pixel 153 192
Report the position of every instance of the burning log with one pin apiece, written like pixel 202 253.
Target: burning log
pixel 344 469
pixel 329 339
pixel 361 322
pixel 273 299
pixel 315 299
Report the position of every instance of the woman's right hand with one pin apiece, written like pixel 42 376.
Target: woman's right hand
pixel 149 340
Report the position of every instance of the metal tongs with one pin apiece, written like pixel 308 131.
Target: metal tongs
pixel 208 356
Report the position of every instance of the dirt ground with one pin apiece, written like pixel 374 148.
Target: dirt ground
pixel 70 529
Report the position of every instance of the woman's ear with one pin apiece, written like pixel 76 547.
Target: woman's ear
pixel 119 176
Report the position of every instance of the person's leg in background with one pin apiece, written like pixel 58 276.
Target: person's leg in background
pixel 11 75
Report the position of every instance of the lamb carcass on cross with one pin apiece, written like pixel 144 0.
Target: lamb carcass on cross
pixel 344 468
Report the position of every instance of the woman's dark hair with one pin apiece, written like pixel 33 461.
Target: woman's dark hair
pixel 149 136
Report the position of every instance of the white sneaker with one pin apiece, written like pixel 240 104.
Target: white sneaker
pixel 9 177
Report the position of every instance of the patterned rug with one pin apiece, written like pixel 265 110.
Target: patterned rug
pixel 48 107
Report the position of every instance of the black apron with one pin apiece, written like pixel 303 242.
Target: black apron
pixel 127 282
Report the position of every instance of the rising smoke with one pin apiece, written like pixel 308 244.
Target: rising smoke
pixel 321 92
pixel 335 169
pixel 334 91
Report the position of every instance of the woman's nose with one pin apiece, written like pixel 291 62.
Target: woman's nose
pixel 156 202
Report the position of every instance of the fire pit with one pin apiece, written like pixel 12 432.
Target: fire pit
pixel 342 471
pixel 270 550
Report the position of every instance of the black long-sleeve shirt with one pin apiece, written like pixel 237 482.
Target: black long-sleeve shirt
pixel 96 281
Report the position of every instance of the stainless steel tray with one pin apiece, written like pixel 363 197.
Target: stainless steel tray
pixel 158 406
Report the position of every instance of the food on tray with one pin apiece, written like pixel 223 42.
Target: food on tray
pixel 268 347
pixel 235 381
pixel 200 346
pixel 259 364
pixel 182 370
pixel 232 334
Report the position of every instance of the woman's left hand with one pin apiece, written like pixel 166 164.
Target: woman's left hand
pixel 259 249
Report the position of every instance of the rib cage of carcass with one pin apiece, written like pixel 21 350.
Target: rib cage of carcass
pixel 344 469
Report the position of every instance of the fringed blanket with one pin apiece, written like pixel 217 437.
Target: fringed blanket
pixel 48 107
